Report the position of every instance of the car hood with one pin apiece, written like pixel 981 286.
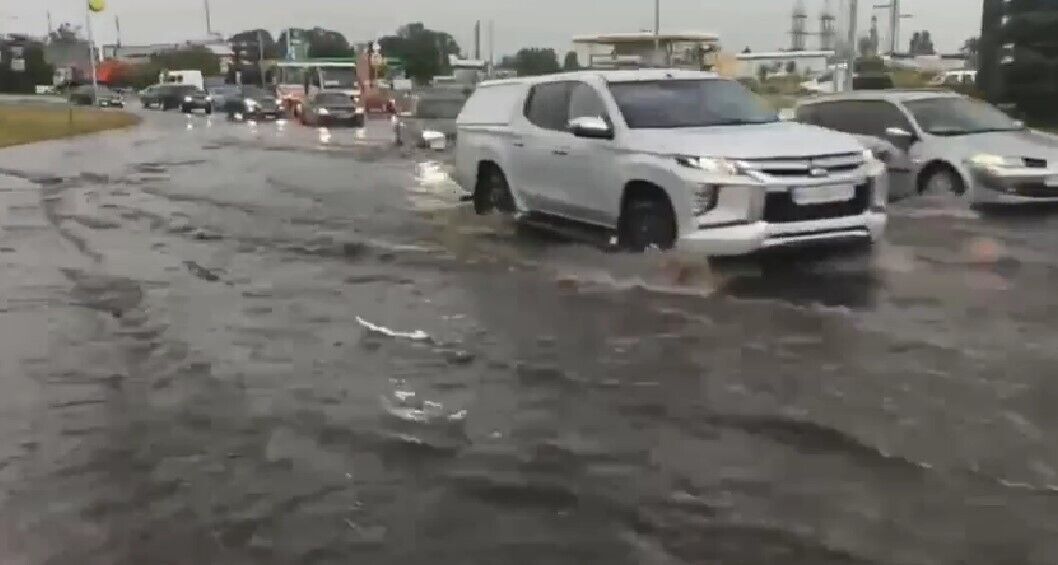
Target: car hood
pixel 1021 143
pixel 779 139
pixel 340 107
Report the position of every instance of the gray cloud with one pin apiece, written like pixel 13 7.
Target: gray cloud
pixel 761 24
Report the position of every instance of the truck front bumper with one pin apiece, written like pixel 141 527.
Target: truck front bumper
pixel 750 237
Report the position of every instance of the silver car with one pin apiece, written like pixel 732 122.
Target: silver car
pixel 221 94
pixel 942 143
pixel 430 120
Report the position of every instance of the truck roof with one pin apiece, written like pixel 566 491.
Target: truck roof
pixel 611 76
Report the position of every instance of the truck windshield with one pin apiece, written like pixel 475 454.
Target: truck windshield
pixel 689 103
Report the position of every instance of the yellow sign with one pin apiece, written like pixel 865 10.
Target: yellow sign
pixel 97 5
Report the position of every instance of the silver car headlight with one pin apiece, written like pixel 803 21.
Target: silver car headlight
pixel 323 111
pixel 989 161
pixel 719 165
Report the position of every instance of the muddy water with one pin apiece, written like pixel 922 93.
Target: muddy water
pixel 236 343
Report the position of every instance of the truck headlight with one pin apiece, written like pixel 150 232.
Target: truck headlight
pixel 188 99
pixel 705 198
pixel 711 164
pixel 323 111
pixel 250 103
pixel 988 161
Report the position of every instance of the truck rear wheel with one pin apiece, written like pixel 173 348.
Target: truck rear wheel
pixel 492 191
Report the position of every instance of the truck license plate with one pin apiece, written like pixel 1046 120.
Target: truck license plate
pixel 1051 182
pixel 825 193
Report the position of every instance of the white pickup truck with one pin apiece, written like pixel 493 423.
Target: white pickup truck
pixel 665 158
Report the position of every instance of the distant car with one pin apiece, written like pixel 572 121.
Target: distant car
pixel 101 96
pixel 429 120
pixel 197 100
pixel 221 94
pixel 165 96
pixel 331 108
pixel 943 143
pixel 252 102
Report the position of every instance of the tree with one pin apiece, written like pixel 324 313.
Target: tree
pixel 921 44
pixel 254 45
pixel 533 61
pixel 970 48
pixel 571 62
pixel 317 42
pixel 1031 77
pixel 37 70
pixel 423 51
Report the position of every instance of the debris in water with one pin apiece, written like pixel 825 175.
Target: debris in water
pixel 417 335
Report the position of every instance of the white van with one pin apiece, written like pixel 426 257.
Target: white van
pixel 665 158
pixel 191 77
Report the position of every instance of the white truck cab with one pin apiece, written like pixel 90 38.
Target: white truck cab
pixel 665 158
pixel 191 77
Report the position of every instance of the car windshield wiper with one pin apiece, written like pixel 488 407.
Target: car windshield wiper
pixel 743 122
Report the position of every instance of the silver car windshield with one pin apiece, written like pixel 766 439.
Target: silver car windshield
pixel 959 116
pixel 689 103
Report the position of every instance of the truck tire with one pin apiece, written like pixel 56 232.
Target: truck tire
pixel 646 223
pixel 492 192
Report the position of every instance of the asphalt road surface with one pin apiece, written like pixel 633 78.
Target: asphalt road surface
pixel 262 343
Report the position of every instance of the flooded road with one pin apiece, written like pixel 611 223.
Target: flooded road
pixel 234 343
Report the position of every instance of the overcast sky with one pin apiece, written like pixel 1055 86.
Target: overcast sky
pixel 761 24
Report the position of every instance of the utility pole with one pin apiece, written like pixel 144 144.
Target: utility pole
pixel 117 28
pixel 49 23
pixel 477 40
pixel 91 52
pixel 657 26
pixel 895 15
pixel 209 24
pixel 850 55
pixel 260 57
pixel 492 32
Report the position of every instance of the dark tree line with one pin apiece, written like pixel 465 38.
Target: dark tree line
pixel 1019 56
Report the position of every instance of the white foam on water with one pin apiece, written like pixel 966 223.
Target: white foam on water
pixel 417 335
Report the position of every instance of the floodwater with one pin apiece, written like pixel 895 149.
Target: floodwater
pixel 263 343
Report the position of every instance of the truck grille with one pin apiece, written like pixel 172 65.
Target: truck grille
pixel 779 207
pixel 808 167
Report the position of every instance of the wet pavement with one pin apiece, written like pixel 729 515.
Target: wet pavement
pixel 262 343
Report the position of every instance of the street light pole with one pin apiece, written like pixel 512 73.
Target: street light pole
pixel 851 47
pixel 657 26
pixel 91 52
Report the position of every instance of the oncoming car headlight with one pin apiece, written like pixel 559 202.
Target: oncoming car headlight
pixel 250 103
pixel 710 164
pixel 188 99
pixel 988 161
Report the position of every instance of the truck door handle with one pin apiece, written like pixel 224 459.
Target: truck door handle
pixel 518 144
pixel 561 151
